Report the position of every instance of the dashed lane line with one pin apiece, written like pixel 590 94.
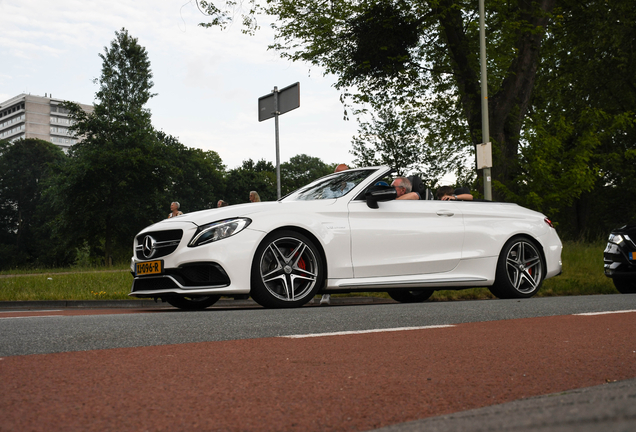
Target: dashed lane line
pixel 605 313
pixel 364 331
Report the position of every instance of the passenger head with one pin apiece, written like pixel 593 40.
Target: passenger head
pixel 254 197
pixel 402 186
pixel 443 191
pixel 341 167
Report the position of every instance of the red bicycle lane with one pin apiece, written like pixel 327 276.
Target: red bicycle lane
pixel 332 383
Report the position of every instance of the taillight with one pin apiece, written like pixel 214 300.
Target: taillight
pixel 549 222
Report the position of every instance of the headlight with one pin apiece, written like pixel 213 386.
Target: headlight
pixel 218 231
pixel 616 238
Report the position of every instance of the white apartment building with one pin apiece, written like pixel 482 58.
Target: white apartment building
pixel 27 116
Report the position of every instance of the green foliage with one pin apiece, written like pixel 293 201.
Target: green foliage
pixel 224 16
pixel 578 160
pixel 27 167
pixel 193 177
pixel 582 272
pixel 111 183
pixel 250 176
pixel 83 256
pixel 422 56
pixel 397 138
pixel 301 170
pixel 65 285
pixel 382 38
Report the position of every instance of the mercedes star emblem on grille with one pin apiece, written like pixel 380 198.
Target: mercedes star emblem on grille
pixel 149 246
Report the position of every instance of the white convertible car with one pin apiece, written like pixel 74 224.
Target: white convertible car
pixel 344 233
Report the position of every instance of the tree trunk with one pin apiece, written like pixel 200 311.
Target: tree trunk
pixel 107 246
pixel 508 107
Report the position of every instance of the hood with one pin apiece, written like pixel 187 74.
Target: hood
pixel 240 210
pixel 203 217
pixel 629 229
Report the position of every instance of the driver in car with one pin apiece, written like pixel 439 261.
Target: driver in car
pixel 403 188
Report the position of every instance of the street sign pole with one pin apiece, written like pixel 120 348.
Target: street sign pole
pixel 276 114
pixel 272 106
pixel 485 131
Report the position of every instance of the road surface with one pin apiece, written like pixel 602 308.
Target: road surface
pixel 338 368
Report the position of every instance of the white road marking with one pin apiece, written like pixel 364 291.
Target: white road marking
pixel 365 331
pixel 32 316
pixel 605 313
pixel 31 311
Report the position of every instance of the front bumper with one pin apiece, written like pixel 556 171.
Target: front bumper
pixel 620 260
pixel 218 268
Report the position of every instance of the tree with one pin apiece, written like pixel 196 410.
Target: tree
pixel 301 170
pixel 112 182
pixel 580 137
pixel 259 176
pixel 397 138
pixel 421 54
pixel 26 166
pixel 195 178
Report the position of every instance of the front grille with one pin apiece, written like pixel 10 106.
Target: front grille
pixel 166 242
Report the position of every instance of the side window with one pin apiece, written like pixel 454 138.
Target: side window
pixel 380 181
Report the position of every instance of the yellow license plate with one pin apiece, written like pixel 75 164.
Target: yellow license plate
pixel 149 268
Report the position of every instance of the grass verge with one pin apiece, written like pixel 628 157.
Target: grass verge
pixel 66 284
pixel 582 275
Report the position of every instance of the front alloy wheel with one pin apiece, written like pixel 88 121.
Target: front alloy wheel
pixel 520 270
pixel 287 271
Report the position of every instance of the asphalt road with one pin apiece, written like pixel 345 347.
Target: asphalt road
pixel 51 332
pixel 488 370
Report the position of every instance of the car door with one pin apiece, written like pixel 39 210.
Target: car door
pixel 405 237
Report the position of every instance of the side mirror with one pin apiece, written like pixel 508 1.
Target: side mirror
pixel 376 194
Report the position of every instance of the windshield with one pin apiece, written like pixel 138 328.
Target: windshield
pixel 334 186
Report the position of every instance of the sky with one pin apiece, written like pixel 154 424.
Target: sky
pixel 207 81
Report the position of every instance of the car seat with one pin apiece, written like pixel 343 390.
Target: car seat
pixel 418 186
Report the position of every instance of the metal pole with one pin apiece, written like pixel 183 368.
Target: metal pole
pixel 276 114
pixel 485 131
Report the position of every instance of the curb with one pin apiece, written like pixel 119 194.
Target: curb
pixel 137 304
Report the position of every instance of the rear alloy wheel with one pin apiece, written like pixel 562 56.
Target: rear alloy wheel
pixel 520 270
pixel 193 303
pixel 406 296
pixel 287 271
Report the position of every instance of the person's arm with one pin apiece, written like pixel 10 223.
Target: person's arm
pixel 463 194
pixel 461 197
pixel 409 196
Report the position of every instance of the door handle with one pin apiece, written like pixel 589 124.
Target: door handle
pixel 445 213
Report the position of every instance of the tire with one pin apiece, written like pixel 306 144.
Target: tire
pixel 287 271
pixel 520 270
pixel 407 296
pixel 193 303
pixel 625 286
